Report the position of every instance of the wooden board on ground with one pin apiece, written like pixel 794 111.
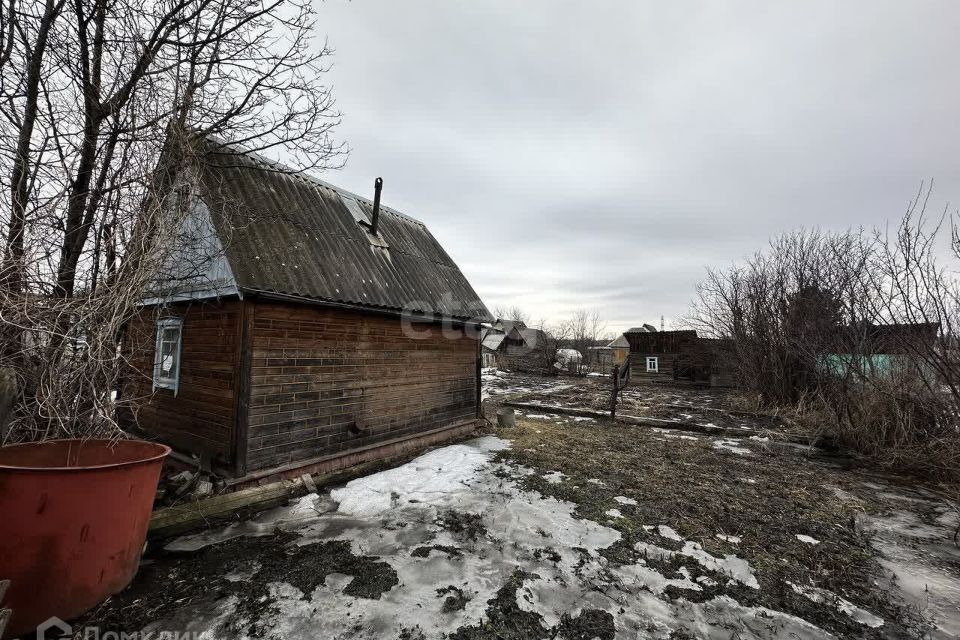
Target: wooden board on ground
pixel 663 423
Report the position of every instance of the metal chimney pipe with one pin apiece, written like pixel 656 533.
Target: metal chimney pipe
pixel 377 187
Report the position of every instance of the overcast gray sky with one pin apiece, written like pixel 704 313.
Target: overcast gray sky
pixel 601 154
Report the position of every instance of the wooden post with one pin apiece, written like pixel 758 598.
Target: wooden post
pixel 479 379
pixel 613 393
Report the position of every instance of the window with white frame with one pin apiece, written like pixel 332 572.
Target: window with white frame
pixel 166 362
pixel 653 365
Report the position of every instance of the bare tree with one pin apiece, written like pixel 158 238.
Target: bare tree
pixel 512 313
pixel 855 332
pixel 586 328
pixel 100 102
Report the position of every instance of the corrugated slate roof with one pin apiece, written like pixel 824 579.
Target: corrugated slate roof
pixel 289 233
pixel 493 341
pixel 619 343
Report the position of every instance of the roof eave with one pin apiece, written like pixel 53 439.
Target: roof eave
pixel 346 306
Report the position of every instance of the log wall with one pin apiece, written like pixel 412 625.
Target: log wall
pixel 328 381
pixel 201 417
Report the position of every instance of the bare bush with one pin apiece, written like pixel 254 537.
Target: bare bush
pixel 99 104
pixel 854 333
pixel 586 328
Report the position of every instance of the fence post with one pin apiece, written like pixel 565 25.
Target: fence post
pixel 613 393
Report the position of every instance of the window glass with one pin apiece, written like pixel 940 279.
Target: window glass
pixel 166 365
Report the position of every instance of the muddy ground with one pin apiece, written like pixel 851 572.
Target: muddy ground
pixel 566 527
pixel 684 403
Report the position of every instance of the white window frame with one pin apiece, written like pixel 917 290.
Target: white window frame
pixel 653 364
pixel 171 382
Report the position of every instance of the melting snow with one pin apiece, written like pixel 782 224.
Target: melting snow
pixel 613 513
pixel 730 445
pixel 730 539
pixel 669 533
pixel 737 568
pixel 554 477
pixel 822 596
pixel 388 514
pixel 802 537
pixel 625 500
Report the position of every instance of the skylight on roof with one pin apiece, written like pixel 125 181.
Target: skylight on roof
pixel 358 212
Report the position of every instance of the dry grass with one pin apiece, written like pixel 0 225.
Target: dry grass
pixel 766 498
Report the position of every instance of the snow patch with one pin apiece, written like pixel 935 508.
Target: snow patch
pixel 554 477
pixel 431 477
pixel 737 568
pixel 731 445
pixel 823 596
pixel 669 533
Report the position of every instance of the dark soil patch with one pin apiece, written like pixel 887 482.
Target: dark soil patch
pixel 424 552
pixel 456 599
pixel 591 623
pixel 411 634
pixel 200 580
pixel 505 620
pixel 548 553
pixel 466 526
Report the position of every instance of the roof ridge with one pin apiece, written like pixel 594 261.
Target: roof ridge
pixel 302 174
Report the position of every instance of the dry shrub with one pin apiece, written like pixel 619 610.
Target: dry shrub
pixel 898 422
pixel 853 336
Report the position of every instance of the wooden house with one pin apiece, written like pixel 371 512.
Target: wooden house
pixel 868 349
pixel 490 346
pixel 679 355
pixel 512 345
pixel 605 357
pixel 318 330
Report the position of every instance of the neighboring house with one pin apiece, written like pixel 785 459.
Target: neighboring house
pixel 316 335
pixel 620 348
pixel 490 347
pixel 504 326
pixel 533 339
pixel 606 357
pixel 516 347
pixel 879 349
pixel 679 355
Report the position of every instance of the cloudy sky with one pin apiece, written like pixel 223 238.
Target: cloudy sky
pixel 602 154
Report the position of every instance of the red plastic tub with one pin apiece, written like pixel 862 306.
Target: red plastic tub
pixel 73 519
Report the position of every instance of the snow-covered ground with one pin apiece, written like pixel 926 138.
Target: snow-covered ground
pixel 501 383
pixel 390 514
pixel 920 556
